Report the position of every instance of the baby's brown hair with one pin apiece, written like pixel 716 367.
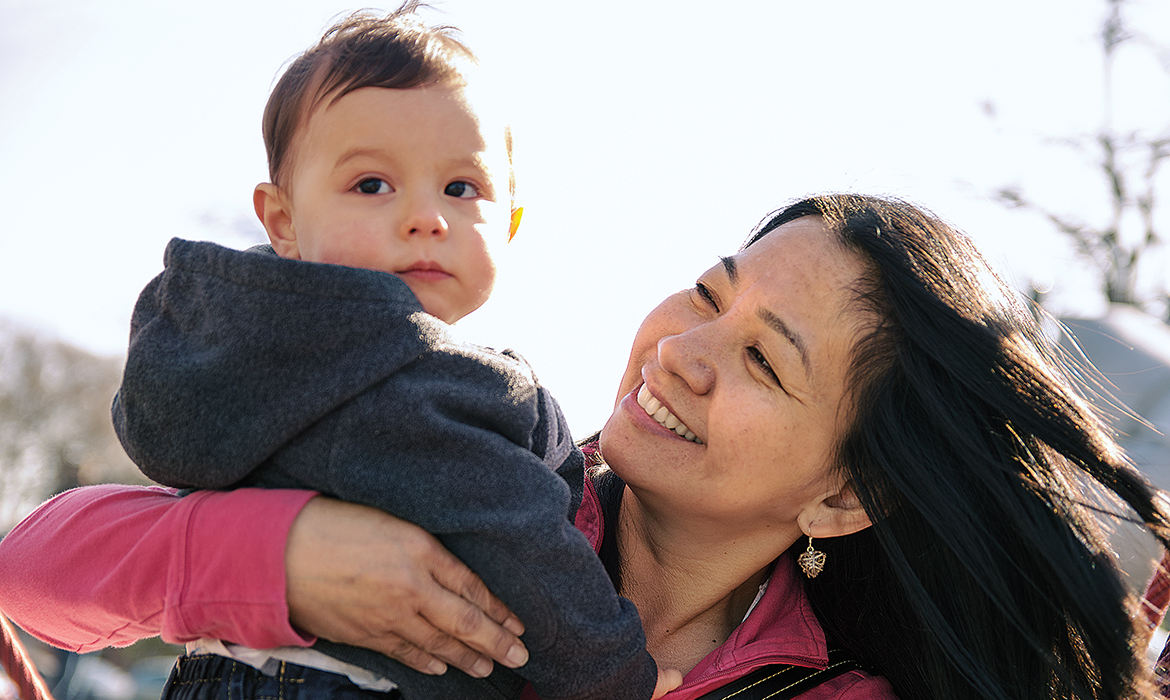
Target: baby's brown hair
pixel 362 50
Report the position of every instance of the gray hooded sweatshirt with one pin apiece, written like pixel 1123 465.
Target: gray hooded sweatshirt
pixel 246 369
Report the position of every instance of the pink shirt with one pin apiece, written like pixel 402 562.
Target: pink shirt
pixel 108 565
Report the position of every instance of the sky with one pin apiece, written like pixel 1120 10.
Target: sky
pixel 650 138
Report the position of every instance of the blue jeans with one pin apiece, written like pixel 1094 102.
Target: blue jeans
pixel 210 677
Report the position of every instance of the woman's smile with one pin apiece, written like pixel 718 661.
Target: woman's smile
pixel 654 408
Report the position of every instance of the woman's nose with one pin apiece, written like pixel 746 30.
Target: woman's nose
pixel 423 219
pixel 688 355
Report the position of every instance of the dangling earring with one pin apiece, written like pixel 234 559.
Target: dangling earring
pixel 811 561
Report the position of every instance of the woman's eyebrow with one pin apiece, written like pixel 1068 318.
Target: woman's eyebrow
pixel 777 324
pixel 774 322
pixel 731 270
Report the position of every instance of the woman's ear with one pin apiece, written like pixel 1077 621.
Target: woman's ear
pixel 273 209
pixel 835 514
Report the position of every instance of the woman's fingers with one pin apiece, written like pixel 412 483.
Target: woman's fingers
pixel 442 649
pixel 453 575
pixel 474 616
pixel 363 577
pixel 668 680
pixel 412 656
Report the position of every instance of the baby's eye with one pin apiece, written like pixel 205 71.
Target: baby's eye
pixel 464 190
pixel 374 185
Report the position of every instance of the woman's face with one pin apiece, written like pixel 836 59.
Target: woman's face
pixel 752 362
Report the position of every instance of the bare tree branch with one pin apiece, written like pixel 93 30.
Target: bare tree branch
pixel 1114 247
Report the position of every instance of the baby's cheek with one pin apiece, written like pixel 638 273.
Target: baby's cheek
pixel 482 284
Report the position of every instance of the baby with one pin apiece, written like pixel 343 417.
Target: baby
pixel 324 362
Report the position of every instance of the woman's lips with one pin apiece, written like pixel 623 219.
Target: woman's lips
pixel 662 415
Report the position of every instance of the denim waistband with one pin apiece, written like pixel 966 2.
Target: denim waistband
pixel 213 677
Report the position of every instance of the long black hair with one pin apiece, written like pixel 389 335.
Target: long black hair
pixel 981 465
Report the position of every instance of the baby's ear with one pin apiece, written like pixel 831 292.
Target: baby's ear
pixel 272 207
pixel 835 514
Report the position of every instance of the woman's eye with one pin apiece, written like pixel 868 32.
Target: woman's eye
pixel 373 185
pixel 706 295
pixel 464 190
pixel 762 363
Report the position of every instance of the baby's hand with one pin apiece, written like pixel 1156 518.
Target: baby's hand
pixel 668 680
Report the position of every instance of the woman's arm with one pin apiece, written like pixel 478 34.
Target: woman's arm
pixel 108 565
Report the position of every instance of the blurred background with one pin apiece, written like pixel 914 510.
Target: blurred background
pixel 650 138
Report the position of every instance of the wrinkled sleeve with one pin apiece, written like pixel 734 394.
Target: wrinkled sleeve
pixel 108 565
pixel 478 452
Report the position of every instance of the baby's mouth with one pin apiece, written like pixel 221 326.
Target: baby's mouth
pixel 654 408
pixel 424 270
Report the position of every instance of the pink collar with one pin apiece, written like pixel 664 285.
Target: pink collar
pixel 780 629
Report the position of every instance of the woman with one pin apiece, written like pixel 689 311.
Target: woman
pixel 856 385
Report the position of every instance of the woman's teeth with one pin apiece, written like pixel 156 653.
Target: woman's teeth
pixel 654 408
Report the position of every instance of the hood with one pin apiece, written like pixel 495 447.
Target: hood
pixel 233 353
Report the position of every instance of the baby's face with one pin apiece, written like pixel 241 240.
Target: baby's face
pixel 400 181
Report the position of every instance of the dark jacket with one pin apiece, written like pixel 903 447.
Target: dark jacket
pixel 248 369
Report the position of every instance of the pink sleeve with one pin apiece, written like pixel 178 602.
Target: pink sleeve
pixel 108 565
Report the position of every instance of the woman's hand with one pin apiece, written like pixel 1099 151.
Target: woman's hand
pixel 363 577
pixel 668 680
